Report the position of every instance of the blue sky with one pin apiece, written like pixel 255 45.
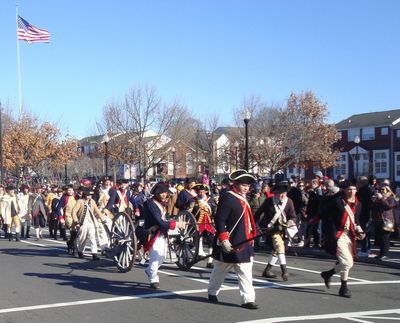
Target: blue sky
pixel 208 54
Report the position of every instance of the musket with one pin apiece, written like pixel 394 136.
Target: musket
pixel 264 231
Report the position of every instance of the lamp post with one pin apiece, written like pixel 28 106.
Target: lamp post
pixel 173 161
pixel 247 117
pixel 357 142
pixel 106 139
pixel 236 144
pixel 65 174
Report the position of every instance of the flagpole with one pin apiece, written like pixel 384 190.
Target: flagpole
pixel 19 67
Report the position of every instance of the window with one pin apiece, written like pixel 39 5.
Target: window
pixel 341 166
pixel 381 163
pixel 351 133
pixel 189 164
pixel 339 135
pixel 398 133
pixel 170 164
pixel 368 133
pixel 384 131
pixel 397 166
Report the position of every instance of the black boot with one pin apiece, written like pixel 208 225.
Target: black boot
pixel 22 232
pixel 285 274
pixel 95 257
pixel 27 232
pixel 344 291
pixel 17 236
pixel 326 276
pixel 80 255
pixel 10 236
pixel 72 239
pixel 268 273
pixel 63 234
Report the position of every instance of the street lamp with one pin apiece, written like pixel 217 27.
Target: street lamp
pixel 247 117
pixel 173 161
pixel 357 142
pixel 236 144
pixel 106 139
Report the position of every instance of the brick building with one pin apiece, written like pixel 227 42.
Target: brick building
pixel 369 144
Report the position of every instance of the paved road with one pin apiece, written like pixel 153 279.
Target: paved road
pixel 41 283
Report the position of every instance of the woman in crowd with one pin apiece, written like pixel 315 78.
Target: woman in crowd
pixel 383 208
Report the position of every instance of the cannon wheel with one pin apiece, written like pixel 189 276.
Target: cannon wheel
pixel 186 243
pixel 123 242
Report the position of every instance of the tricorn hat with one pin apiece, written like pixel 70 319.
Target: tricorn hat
pixel 280 187
pixel 105 178
pixel 242 176
pixel 201 187
pixel 87 191
pixel 159 188
pixel 346 184
pixel 122 181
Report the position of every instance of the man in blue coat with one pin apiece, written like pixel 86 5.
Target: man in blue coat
pixel 234 224
pixel 155 220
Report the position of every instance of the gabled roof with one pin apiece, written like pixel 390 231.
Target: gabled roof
pixel 228 131
pixel 372 119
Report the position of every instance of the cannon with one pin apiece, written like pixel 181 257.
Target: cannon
pixel 182 243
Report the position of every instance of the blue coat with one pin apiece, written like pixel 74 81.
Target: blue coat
pixel 114 200
pixel 153 216
pixel 229 211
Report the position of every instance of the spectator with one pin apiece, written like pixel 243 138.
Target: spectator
pixel 383 206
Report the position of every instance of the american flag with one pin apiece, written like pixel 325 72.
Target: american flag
pixel 30 33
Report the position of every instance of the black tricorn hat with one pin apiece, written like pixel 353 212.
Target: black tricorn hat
pixel 242 176
pixel 201 187
pixel 346 184
pixel 105 178
pixel 159 188
pixel 280 187
pixel 122 181
pixel 87 191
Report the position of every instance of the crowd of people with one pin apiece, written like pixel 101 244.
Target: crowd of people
pixel 235 217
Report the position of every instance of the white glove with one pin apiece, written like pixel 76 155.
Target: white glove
pixel 227 246
pixel 290 223
pixel 360 233
pixel 181 225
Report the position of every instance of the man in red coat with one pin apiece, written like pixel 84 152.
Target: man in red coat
pixel 341 228
pixel 234 224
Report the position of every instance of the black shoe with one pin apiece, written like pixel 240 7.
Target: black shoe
pixel 212 299
pixel 267 273
pixel 326 276
pixel 250 306
pixel 94 257
pixel 80 255
pixel 210 265
pixel 344 291
pixel 155 286
pixel 285 274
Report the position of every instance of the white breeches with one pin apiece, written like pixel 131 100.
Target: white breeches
pixel 101 232
pixel 244 272
pixel 87 232
pixel 156 257
pixel 344 255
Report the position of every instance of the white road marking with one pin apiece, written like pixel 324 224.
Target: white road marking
pixel 348 315
pixel 309 271
pixel 41 245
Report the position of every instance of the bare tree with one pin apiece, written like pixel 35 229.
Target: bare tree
pixel 145 126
